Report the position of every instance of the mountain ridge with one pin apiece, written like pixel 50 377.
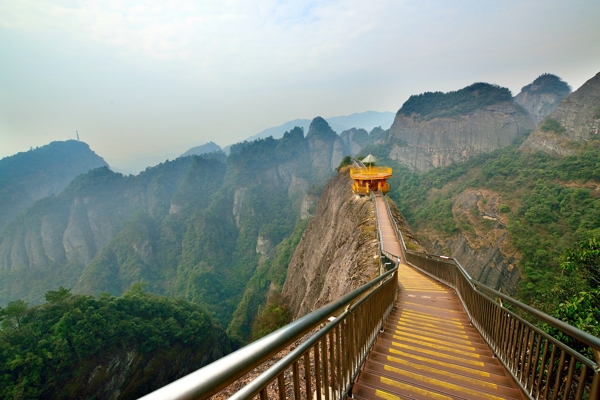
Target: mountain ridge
pixel 31 175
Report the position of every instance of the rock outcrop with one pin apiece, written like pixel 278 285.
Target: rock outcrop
pixel 338 251
pixel 574 122
pixel 437 129
pixel 485 248
pixel 542 96
pixel 324 145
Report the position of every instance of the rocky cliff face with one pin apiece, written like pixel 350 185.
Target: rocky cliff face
pixel 338 251
pixel 542 96
pixel 324 147
pixel 575 121
pixel 483 247
pixel 129 374
pixel 424 144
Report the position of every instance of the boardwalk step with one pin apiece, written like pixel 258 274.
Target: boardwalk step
pixel 424 388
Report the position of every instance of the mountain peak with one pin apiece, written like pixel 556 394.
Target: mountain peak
pixel 320 128
pixel 542 96
pixel 575 120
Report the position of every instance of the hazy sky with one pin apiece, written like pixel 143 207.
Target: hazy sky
pixel 137 77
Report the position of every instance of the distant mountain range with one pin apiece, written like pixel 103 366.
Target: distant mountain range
pixel 365 120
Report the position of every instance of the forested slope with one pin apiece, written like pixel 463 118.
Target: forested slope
pixel 29 176
pixel 76 346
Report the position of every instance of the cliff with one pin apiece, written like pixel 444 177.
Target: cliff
pixel 436 129
pixel 575 122
pixel 41 172
pixel 338 251
pixel 194 227
pixel 542 96
pixel 484 245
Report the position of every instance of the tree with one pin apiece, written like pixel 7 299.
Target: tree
pixel 12 315
pixel 54 296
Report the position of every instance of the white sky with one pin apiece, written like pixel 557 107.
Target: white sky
pixel 139 77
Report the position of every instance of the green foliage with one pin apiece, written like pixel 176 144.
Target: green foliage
pixel 597 113
pixel 545 217
pixel 271 318
pixel 552 125
pixel 54 296
pixel 577 293
pixel 25 176
pixel 584 259
pixel 548 83
pixel 45 346
pixel 345 161
pixel 431 105
pixel 270 273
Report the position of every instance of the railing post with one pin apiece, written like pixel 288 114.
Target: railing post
pixel 595 389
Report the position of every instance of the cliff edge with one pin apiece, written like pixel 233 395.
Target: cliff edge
pixel 339 251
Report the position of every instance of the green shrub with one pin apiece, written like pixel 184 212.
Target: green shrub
pixel 345 161
pixel 504 209
pixel 272 317
pixel 552 125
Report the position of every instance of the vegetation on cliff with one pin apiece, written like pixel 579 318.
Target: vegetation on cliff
pixel 551 205
pixel 188 228
pixel 28 176
pixel 548 83
pixel 60 349
pixel 431 105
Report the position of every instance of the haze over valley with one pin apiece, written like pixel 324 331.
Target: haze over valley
pixel 174 179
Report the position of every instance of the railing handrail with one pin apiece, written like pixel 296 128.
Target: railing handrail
pixel 570 330
pixel 397 231
pixel 210 379
pixel 379 235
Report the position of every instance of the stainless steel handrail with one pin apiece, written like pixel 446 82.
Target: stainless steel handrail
pixel 520 363
pixel 212 378
pixel 543 366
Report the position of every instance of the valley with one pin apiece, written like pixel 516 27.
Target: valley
pixel 506 185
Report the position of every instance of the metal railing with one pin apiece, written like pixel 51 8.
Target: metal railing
pixel 323 367
pixel 388 256
pixel 397 231
pixel 358 172
pixel 544 367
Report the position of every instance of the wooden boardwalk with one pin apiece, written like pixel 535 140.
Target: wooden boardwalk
pixel 429 350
